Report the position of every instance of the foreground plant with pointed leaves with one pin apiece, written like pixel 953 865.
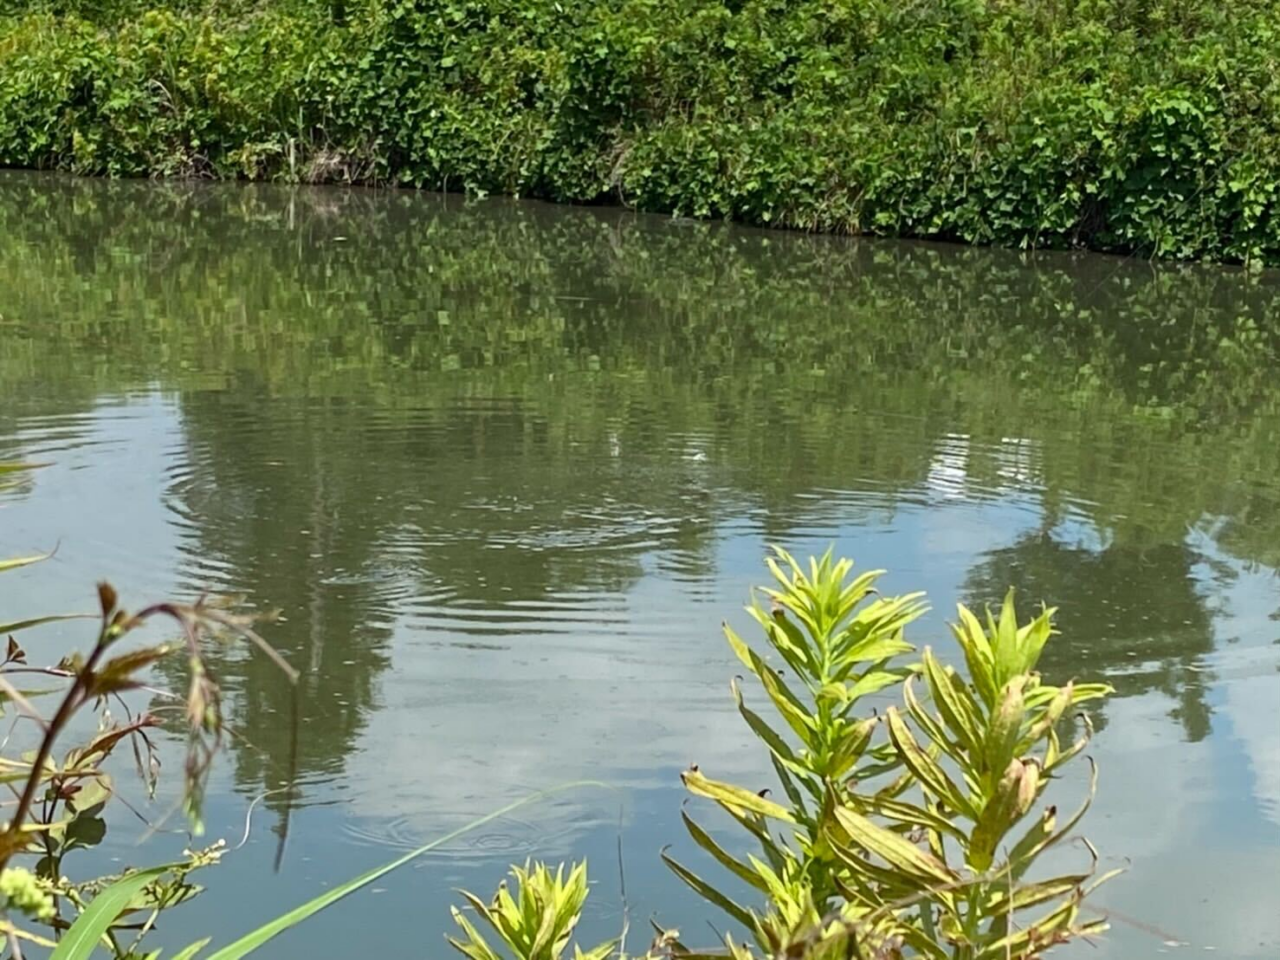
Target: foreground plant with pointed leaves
pixel 537 923
pixel 837 637
pixel 908 850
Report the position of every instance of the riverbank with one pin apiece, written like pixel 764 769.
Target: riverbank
pixel 1149 127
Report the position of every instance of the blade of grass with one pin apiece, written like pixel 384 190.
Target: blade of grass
pixel 16 562
pixel 83 937
pixel 188 952
pixel 16 625
pixel 252 941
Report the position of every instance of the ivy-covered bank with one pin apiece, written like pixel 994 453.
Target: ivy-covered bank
pixel 1150 126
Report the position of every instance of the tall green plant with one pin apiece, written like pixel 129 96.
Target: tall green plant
pixel 837 637
pixel 991 748
pixel 916 854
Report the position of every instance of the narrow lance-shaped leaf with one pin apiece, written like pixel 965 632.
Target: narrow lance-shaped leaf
pixel 475 946
pixel 103 910
pixel 549 934
pixel 1048 717
pixel 851 742
pixel 876 630
pixel 958 711
pixel 1004 641
pixel 906 813
pixel 707 843
pixel 777 746
pixel 1034 636
pixel 1034 894
pixel 898 852
pixel 928 723
pixel 734 797
pixel 1013 797
pixel 1055 756
pixel 708 892
pixel 786 702
pixel 1040 931
pixel 14 563
pixel 739 647
pixel 932 776
pixel 1005 728
pixel 786 638
pixel 978 654
pixel 875 680
pixel 1080 693
pixel 595 953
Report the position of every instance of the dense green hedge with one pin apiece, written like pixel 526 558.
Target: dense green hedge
pixel 1129 125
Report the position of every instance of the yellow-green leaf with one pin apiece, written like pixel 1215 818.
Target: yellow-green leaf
pixel 15 562
pixel 708 892
pixel 956 707
pixel 1005 728
pixel 977 652
pixel 735 797
pixel 1013 796
pixel 898 852
pixel 930 775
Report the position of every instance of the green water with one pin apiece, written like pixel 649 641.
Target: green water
pixel 505 468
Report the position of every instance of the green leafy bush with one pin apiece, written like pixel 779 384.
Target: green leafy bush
pixel 1125 125
pixel 917 851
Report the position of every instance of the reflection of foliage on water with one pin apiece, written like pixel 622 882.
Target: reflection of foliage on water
pixel 277 508
pixel 423 346
pixel 290 285
pixel 1152 645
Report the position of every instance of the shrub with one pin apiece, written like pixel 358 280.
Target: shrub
pixel 1147 126
pixel 899 848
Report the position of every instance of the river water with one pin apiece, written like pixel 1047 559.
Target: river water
pixel 504 468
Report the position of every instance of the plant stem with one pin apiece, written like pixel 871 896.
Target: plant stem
pixel 70 703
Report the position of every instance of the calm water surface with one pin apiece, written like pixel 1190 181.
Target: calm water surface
pixel 505 468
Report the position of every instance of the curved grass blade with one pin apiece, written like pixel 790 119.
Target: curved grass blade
pixel 252 941
pixel 16 625
pixel 15 562
pixel 187 953
pixel 83 937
